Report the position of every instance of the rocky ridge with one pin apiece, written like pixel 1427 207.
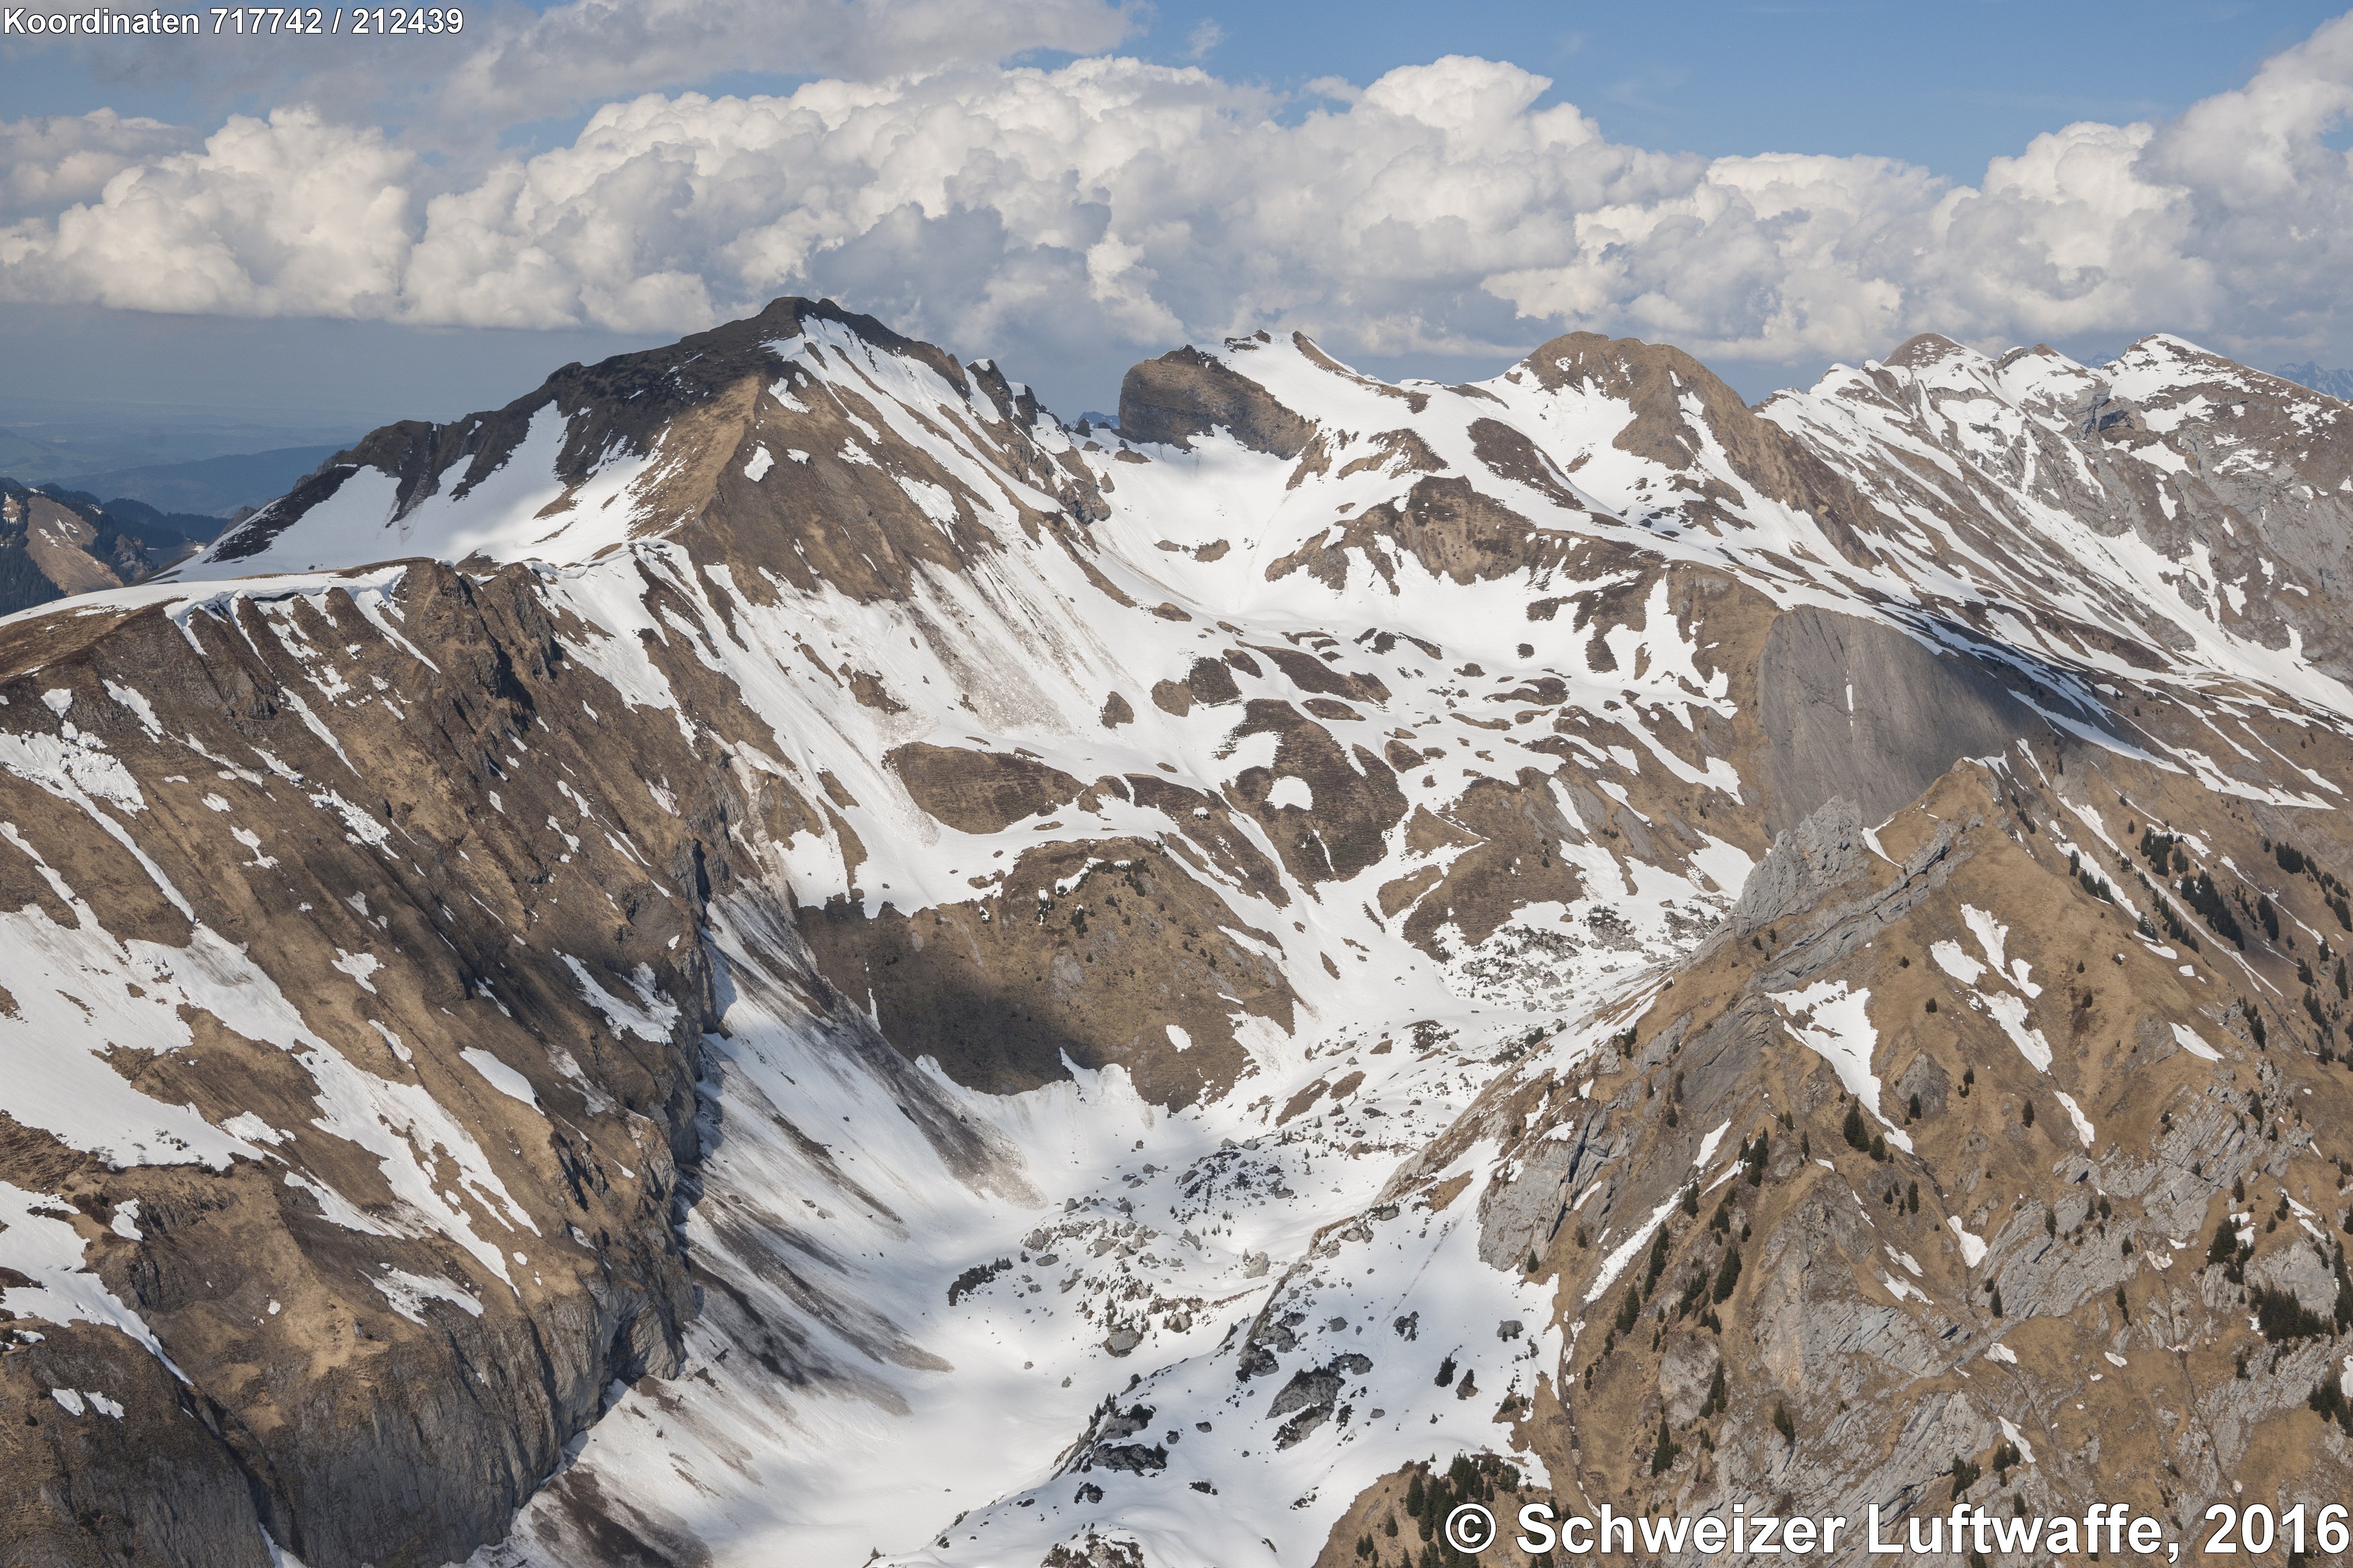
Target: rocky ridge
pixel 54 544
pixel 769 950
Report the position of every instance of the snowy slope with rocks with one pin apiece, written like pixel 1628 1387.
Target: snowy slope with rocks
pixel 797 958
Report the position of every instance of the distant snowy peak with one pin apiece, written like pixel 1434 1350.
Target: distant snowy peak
pixel 2158 383
pixel 2171 506
pixel 2171 498
pixel 2335 383
pixel 805 400
pixel 1589 444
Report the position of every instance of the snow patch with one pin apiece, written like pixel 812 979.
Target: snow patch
pixel 2190 1040
pixel 409 1294
pixel 1290 790
pixel 1953 960
pixel 37 1241
pixel 2075 1114
pixel 501 1077
pixel 650 1017
pixel 2009 1012
pixel 359 966
pixel 1834 1023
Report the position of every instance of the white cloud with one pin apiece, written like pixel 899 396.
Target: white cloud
pixel 285 216
pixel 54 161
pixel 587 50
pixel 515 63
pixel 1112 205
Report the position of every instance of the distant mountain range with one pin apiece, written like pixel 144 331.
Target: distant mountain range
pixel 217 486
pixel 2336 384
pixel 56 542
pixel 23 455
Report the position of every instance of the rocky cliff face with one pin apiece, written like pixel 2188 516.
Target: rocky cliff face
pixel 769 953
pixel 53 545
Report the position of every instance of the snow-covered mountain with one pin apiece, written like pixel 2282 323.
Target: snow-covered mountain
pixel 770 954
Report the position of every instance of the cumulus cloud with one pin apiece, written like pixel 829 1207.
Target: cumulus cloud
pixel 516 63
pixel 289 215
pixel 51 162
pixel 1115 205
pixel 586 50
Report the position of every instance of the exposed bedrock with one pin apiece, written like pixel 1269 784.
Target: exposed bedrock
pixel 447 1231
pixel 1860 709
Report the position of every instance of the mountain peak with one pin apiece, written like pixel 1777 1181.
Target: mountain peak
pixel 1625 368
pixel 1186 393
pixel 1923 349
pixel 648 446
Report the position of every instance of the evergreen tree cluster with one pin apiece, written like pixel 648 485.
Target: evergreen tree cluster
pixel 2333 892
pixel 2199 892
pixel 1430 1496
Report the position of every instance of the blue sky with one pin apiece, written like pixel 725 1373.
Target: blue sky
pixel 1945 85
pixel 401 232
